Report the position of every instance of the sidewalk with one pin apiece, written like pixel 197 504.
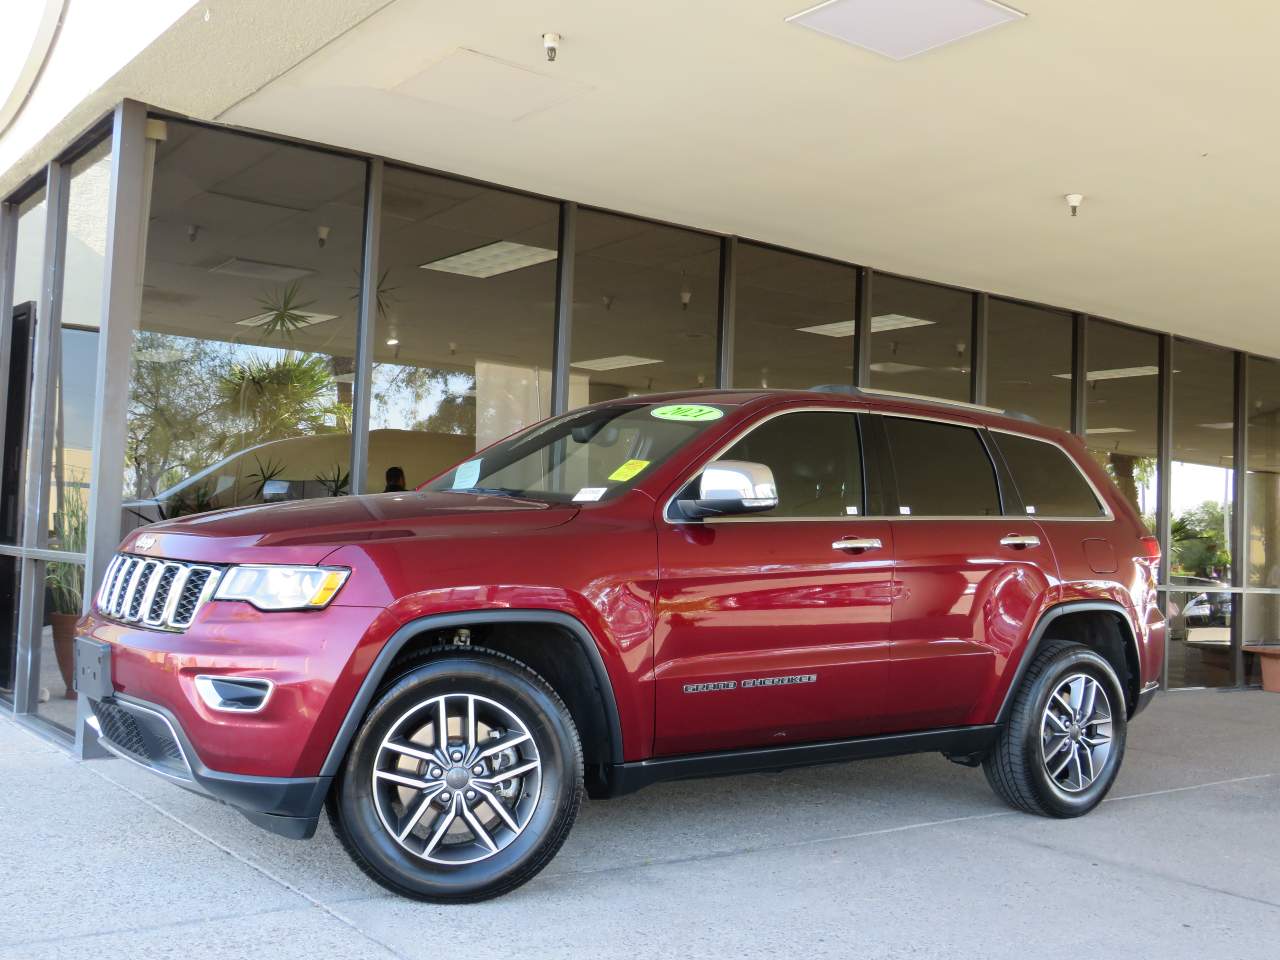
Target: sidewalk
pixel 909 857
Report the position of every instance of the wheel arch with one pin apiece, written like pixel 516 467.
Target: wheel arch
pixel 418 634
pixel 1101 625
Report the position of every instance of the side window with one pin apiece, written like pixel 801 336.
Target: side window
pixel 1050 483
pixel 814 459
pixel 943 469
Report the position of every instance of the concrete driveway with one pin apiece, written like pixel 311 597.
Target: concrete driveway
pixel 909 857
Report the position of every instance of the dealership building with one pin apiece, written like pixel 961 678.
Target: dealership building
pixel 255 252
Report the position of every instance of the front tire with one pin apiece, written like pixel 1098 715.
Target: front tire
pixel 463 780
pixel 1061 749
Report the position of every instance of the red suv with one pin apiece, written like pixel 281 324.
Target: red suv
pixel 650 588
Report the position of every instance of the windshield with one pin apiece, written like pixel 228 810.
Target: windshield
pixel 584 456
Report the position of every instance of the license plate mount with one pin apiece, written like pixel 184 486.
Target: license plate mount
pixel 93 669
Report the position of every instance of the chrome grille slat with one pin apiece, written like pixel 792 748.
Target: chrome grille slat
pixel 164 594
pixel 108 582
pixel 118 591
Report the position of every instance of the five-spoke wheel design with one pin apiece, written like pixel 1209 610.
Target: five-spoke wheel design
pixel 457 778
pixel 1076 732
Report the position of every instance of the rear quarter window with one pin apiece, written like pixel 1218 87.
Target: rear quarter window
pixel 1048 480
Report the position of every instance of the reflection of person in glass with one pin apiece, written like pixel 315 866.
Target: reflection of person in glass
pixel 395 480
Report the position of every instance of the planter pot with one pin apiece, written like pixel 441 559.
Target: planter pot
pixel 64 648
pixel 1269 654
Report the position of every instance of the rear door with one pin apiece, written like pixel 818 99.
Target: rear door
pixel 773 629
pixel 967 577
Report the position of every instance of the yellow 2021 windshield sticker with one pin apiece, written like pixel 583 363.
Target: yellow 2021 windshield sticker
pixel 629 470
pixel 689 412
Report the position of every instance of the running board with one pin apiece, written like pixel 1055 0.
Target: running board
pixel 626 778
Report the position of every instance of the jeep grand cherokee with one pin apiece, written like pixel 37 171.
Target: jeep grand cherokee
pixel 650 588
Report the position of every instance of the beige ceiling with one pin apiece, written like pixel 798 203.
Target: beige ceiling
pixel 950 166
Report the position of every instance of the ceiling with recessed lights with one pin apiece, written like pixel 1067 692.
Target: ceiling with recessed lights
pixel 951 164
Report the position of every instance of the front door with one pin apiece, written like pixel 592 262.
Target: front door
pixel 967 577
pixel 773 629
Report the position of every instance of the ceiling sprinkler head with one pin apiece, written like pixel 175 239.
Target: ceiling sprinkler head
pixel 551 44
pixel 322 235
pixel 1073 202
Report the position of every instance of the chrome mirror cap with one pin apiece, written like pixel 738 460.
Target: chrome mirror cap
pixel 731 487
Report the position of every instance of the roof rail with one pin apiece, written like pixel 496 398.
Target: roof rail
pixel 899 395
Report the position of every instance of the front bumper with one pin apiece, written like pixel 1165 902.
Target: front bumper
pixel 151 736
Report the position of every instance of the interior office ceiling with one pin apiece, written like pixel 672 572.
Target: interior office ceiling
pixel 720 115
pixel 951 165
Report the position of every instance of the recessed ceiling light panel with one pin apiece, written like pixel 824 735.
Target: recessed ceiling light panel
pixel 491 259
pixel 886 321
pixel 899 29
pixel 1099 430
pixel 261 270
pixel 1116 373
pixel 614 363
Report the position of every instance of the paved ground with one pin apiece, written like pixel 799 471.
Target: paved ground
pixel 911 857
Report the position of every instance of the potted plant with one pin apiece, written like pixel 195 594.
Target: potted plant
pixel 1269 655
pixel 65 582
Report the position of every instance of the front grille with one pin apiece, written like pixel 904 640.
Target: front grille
pixel 144 735
pixel 156 593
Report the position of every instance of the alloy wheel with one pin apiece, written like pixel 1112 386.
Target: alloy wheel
pixel 1076 733
pixel 457 778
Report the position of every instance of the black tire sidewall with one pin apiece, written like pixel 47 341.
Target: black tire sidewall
pixel 553 735
pixel 1059 802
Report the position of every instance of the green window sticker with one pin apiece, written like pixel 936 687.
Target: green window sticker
pixel 688 412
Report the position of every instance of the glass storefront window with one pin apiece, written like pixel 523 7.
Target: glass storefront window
pixel 244 363
pixel 28 258
pixel 1200 653
pixel 921 338
pixel 1033 381
pixel 75 358
pixel 1262 480
pixel 465 319
pixel 10 587
pixel 646 298
pixel 1122 401
pixel 1201 484
pixel 793 321
pixel 64 587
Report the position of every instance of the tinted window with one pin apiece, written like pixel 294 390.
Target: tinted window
pixel 1050 484
pixel 943 470
pixel 814 459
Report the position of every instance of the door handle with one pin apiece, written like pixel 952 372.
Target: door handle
pixel 1019 541
pixel 857 543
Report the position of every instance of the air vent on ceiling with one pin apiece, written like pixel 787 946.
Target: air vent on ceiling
pixel 261 270
pixel 899 29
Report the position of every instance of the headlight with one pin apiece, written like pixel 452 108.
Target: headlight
pixel 270 587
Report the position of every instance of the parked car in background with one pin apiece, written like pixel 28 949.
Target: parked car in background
pixel 646 589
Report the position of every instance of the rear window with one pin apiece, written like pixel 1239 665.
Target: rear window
pixel 943 470
pixel 1048 480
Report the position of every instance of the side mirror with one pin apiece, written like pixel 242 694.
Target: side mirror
pixel 730 488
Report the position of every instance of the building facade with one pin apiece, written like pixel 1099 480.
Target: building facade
pixel 195 316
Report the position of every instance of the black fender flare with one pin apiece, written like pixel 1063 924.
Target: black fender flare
pixel 1042 627
pixel 397 641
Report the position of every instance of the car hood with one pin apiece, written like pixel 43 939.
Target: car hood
pixel 305 531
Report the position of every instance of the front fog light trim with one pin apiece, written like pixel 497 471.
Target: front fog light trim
pixel 231 694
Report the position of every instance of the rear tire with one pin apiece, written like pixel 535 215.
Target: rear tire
pixel 1061 748
pixel 433 817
